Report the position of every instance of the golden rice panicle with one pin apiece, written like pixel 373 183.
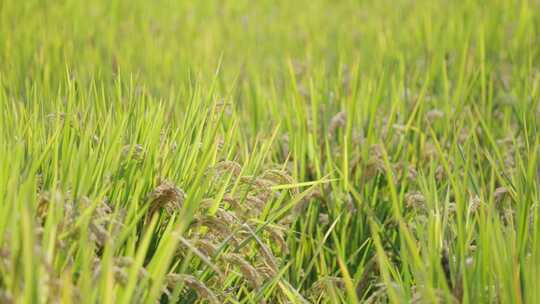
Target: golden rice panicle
pixel 404 170
pixel 206 203
pixel 375 164
pixel 282 177
pixel 207 247
pixel 98 233
pixel 42 206
pixel 260 184
pixel 256 202
pixel 324 219
pixel 415 200
pixel 120 275
pixel 500 193
pixel 474 204
pixel 267 255
pixel 278 176
pixel 191 282
pixel 6 297
pixel 322 284
pixel 226 216
pixel 120 269
pixel 249 272
pixel 123 261
pixel 276 235
pixel 311 194
pixel 266 272
pixel 235 205
pixel 338 121
pixel 214 224
pixel 168 196
pixel 136 152
pixel 434 115
pixel 228 166
pixel 5 256
pixel 39 182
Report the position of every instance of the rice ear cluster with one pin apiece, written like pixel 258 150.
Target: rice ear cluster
pixel 280 177
pixel 375 164
pixel 277 236
pixel 193 283
pixel 226 216
pixel 133 152
pixel 6 297
pixel 215 224
pixel 101 221
pixel 338 121
pixel 120 270
pixel 500 194
pixel 415 200
pixel 322 284
pixel 228 166
pixel 302 205
pixel 42 206
pixel 266 253
pixel 249 272
pixel 257 183
pixel 406 171
pixel 166 196
pixel 255 204
pixel 207 247
pixel 434 115
pixel 474 204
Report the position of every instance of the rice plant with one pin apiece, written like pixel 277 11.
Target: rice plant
pixel 269 151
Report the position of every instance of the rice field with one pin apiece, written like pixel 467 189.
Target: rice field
pixel 270 151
